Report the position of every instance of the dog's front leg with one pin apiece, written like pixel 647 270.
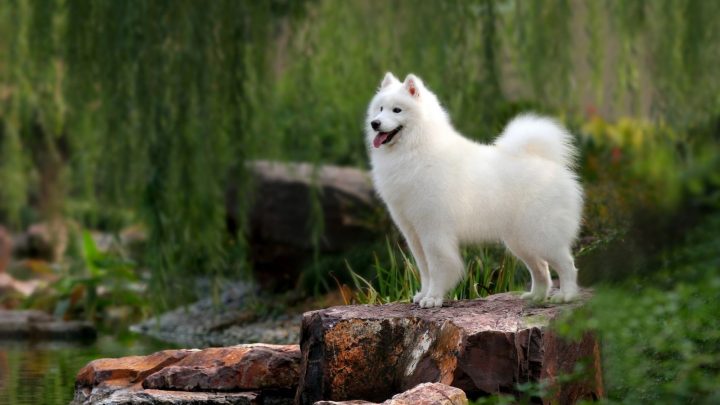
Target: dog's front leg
pixel 413 241
pixel 445 267
pixel 422 266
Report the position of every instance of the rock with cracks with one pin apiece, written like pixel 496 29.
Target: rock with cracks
pixel 248 367
pixel 482 346
pixel 245 374
pixel 423 394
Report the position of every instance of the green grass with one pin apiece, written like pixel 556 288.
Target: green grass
pixel 489 270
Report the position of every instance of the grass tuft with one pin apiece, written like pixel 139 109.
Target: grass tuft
pixel 488 270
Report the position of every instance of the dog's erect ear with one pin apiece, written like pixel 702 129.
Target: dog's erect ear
pixel 413 84
pixel 388 80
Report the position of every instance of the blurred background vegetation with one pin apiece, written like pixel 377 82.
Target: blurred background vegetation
pixel 135 114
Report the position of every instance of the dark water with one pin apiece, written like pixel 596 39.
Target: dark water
pixel 43 373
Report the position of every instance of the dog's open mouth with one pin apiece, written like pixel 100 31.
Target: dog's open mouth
pixel 384 137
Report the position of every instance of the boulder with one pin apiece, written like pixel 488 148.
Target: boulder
pixel 282 215
pixel 126 371
pixel 482 346
pixel 246 374
pixel 422 394
pixel 236 368
pixel 31 324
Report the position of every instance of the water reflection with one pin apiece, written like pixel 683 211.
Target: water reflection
pixel 33 373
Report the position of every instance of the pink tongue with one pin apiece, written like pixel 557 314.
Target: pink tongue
pixel 379 139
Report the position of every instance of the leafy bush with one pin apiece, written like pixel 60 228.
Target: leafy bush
pixel 660 336
pixel 98 285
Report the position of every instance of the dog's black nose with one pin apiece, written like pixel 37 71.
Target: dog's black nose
pixel 375 124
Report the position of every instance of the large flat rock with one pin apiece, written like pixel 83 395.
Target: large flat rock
pixel 237 368
pixel 126 371
pixel 244 374
pixel 481 346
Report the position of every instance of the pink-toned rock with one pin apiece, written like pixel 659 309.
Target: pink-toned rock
pixel 243 367
pixel 9 285
pixel 247 374
pixel 423 394
pixel 482 346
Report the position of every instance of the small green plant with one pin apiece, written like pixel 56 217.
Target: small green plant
pixel 94 284
pixel 488 271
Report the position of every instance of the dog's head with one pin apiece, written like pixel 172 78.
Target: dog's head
pixel 396 109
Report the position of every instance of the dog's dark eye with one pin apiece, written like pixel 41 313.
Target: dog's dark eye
pixel 396 110
pixel 380 108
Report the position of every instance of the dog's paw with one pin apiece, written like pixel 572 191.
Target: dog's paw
pixel 564 296
pixel 418 297
pixel 431 302
pixel 533 296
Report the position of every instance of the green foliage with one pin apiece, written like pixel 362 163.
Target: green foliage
pixel 633 166
pixel 660 341
pixel 96 283
pixel 154 107
pixel 148 104
pixel 488 271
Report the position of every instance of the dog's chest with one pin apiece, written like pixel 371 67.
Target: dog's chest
pixel 401 182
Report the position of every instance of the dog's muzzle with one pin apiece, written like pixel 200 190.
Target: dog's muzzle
pixel 384 137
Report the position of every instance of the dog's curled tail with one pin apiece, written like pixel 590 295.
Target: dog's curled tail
pixel 539 136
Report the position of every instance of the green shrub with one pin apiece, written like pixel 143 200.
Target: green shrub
pixel 101 286
pixel 660 335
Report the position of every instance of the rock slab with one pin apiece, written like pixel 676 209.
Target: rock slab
pixel 257 366
pixel 245 374
pixel 482 346
pixel 32 324
pixel 423 394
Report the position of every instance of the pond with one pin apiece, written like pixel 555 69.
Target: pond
pixel 34 373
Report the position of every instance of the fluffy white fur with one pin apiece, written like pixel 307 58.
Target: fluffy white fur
pixel 444 190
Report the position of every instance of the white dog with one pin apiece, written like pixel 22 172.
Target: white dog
pixel 444 190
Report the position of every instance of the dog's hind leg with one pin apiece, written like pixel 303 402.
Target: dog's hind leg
pixel 539 273
pixel 445 270
pixel 564 265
